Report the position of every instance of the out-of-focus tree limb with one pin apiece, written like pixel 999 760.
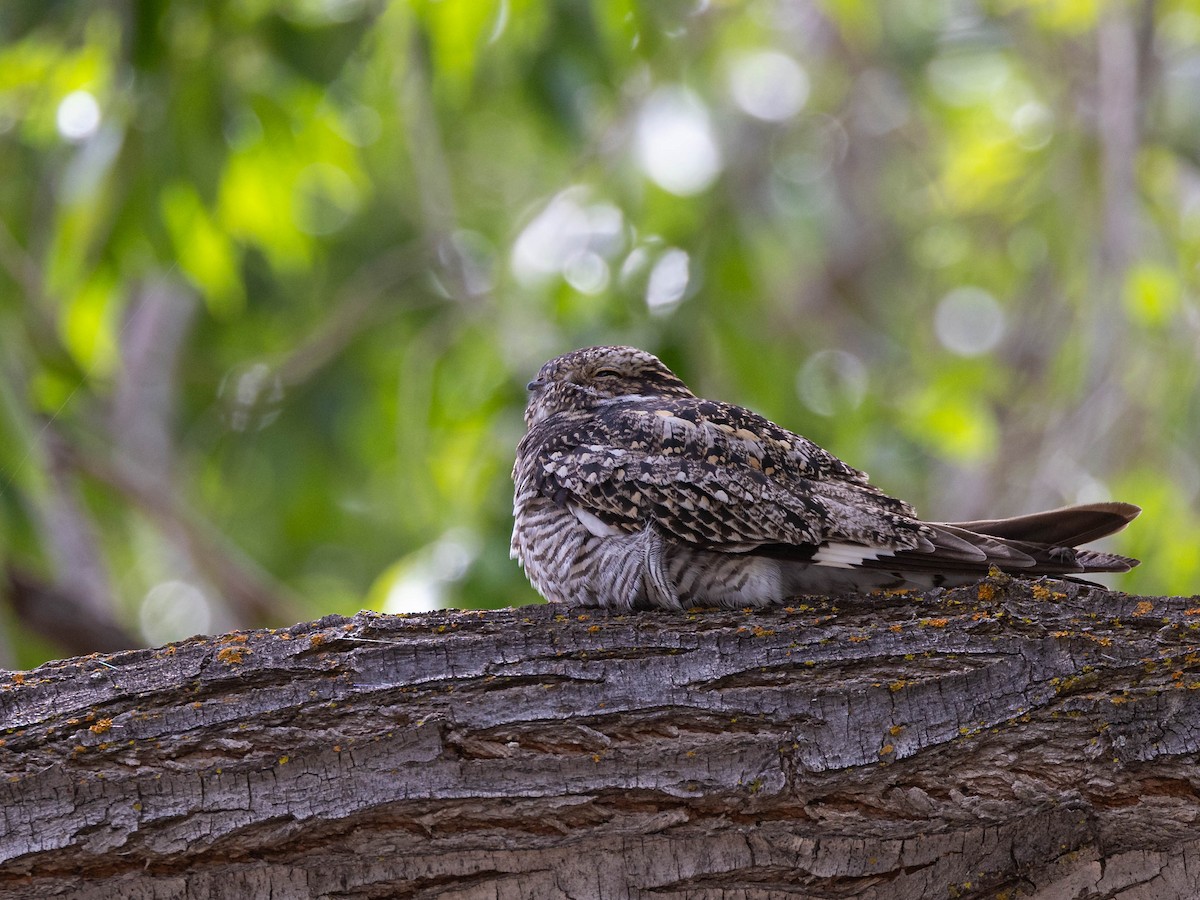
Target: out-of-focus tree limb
pixel 63 616
pixel 243 583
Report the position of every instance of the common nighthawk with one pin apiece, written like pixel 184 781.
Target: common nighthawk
pixel 631 492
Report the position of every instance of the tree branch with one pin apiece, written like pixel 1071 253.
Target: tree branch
pixel 1011 736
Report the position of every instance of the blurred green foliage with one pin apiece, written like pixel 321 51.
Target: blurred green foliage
pixel 273 273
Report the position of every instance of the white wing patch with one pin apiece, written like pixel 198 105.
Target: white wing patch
pixel 847 556
pixel 593 523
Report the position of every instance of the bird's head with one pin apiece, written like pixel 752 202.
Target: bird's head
pixel 583 378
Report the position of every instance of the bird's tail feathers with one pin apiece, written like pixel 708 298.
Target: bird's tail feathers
pixel 1038 544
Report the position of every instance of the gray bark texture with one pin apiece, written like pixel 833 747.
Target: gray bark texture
pixel 1004 740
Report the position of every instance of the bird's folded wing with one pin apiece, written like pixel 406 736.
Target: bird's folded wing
pixel 733 508
pixel 1067 527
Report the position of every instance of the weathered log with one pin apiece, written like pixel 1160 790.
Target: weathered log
pixel 1008 739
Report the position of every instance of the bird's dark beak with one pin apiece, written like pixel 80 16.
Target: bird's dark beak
pixel 536 385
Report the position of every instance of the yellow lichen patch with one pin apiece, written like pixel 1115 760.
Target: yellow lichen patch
pixel 583 617
pixel 759 631
pixel 887 750
pixel 986 592
pixel 1194 611
pixel 101 726
pixel 895 629
pixel 592 629
pixel 18 677
pixel 895 730
pixel 233 656
pixel 235 638
pixel 316 640
pixel 1144 608
pixel 858 638
pixel 898 685
pixel 935 623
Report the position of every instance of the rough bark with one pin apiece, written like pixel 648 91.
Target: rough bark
pixel 1012 738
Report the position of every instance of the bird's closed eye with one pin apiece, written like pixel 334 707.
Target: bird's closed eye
pixel 608 373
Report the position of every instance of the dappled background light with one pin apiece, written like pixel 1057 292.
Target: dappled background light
pixel 768 84
pixel 832 382
pixel 78 116
pixel 570 237
pixel 675 143
pixel 969 321
pixel 173 610
pixel 272 282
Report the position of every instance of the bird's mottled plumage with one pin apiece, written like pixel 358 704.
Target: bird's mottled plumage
pixel 632 492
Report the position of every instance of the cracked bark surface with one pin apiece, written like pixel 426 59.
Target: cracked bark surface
pixel 1008 739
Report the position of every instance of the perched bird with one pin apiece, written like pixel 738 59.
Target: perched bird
pixel 633 492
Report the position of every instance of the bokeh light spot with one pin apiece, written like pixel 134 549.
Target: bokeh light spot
pixel 78 116
pixel 675 145
pixel 768 85
pixel 668 281
pixel 969 321
pixel 587 272
pixel 172 610
pixel 832 380
pixel 568 238
pixel 1033 124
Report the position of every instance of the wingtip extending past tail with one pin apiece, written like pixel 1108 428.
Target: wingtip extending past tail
pixel 1067 526
pixel 1053 536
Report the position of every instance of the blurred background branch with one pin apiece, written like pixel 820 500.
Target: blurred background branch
pixel 272 276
